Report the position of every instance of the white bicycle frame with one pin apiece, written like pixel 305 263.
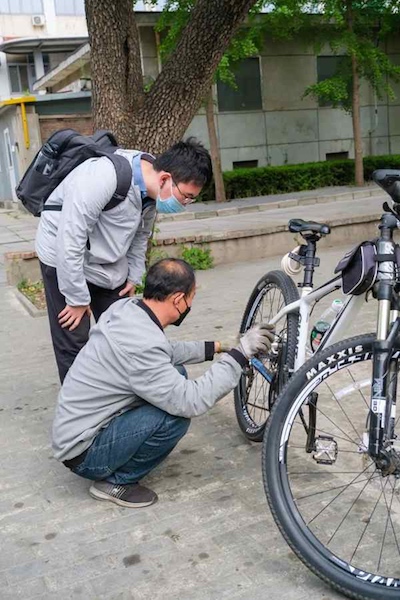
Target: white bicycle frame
pixel 338 328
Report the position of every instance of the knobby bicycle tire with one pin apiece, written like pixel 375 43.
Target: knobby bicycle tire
pixel 274 281
pixel 311 516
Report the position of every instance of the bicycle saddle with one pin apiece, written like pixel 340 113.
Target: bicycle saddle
pixel 300 226
pixel 389 180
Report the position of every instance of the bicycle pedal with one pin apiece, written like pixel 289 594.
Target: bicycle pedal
pixel 325 450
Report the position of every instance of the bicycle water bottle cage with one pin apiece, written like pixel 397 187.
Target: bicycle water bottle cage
pixel 307 228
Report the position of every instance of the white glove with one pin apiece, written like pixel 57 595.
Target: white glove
pixel 257 340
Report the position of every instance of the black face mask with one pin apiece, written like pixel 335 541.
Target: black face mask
pixel 182 315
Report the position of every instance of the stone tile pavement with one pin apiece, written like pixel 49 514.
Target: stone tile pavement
pixel 210 536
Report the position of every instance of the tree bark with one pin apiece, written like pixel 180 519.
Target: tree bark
pixel 116 71
pixel 220 195
pixel 358 149
pixel 156 119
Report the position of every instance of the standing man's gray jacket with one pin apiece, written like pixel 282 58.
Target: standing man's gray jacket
pixel 128 360
pixel 85 243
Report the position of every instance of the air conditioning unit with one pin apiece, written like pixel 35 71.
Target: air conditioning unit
pixel 38 20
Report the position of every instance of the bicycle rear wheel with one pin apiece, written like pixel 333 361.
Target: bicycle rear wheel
pixel 254 395
pixel 336 510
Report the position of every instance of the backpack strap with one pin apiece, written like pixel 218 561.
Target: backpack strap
pixel 124 180
pixel 101 134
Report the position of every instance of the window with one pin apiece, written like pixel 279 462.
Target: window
pixel 70 7
pixel 247 96
pixel 22 77
pixel 329 66
pixel 336 155
pixel 19 78
pixel 245 164
pixel 21 7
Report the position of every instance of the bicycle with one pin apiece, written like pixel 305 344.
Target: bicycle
pixel 331 455
pixel 276 299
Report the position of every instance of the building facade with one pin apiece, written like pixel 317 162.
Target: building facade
pixel 266 121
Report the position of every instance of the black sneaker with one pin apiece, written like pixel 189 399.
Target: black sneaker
pixel 131 495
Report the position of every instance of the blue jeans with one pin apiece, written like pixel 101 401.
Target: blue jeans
pixel 132 445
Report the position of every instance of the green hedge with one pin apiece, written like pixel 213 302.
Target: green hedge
pixel 262 181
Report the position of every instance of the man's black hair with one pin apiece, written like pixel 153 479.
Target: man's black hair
pixel 186 161
pixel 168 276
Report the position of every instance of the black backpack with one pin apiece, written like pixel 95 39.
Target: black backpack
pixel 64 150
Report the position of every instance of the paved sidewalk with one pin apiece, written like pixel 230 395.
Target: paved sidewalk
pixel 209 537
pixel 331 193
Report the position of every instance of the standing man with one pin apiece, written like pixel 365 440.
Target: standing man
pixel 90 257
pixel 125 403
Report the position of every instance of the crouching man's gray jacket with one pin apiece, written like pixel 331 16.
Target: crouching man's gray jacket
pixel 128 360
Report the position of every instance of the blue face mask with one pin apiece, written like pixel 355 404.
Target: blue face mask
pixel 170 204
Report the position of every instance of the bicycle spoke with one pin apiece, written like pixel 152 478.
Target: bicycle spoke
pixel 388 519
pixel 332 489
pixel 323 432
pixel 349 509
pixel 342 409
pixel 359 390
pixel 257 390
pixel 366 526
pixel 337 427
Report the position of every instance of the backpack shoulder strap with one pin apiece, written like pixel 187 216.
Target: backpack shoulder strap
pixel 124 179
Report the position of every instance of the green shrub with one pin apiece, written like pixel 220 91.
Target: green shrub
pixel 199 258
pixel 262 181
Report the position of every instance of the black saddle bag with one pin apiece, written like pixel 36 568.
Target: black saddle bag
pixel 359 269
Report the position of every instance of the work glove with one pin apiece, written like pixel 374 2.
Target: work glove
pixel 228 344
pixel 257 340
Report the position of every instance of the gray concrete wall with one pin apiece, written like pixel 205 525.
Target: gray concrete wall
pixel 291 129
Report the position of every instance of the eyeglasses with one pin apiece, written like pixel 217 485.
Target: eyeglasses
pixel 186 199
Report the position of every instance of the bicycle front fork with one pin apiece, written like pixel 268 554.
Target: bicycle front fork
pixel 384 387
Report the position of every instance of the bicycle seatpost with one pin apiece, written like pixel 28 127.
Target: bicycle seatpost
pixel 309 261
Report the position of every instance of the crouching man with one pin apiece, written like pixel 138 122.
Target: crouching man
pixel 126 401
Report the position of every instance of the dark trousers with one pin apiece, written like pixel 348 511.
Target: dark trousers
pixel 67 343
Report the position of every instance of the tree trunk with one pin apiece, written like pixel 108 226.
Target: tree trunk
pixel 214 150
pixel 156 119
pixel 117 81
pixel 358 150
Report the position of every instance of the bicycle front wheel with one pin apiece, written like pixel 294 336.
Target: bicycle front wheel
pixel 336 510
pixel 254 396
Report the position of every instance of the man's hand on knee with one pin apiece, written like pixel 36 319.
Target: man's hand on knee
pixel 71 316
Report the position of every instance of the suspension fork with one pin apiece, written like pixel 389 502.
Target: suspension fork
pixel 384 387
pixel 390 416
pixel 384 369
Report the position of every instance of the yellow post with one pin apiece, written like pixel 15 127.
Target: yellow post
pixel 21 100
pixel 25 125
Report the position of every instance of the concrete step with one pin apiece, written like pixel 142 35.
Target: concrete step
pixel 255 234
pixel 212 210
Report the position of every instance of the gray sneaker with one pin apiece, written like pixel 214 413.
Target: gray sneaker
pixel 132 495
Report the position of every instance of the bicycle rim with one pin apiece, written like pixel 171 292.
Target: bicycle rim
pixel 256 394
pixel 336 510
